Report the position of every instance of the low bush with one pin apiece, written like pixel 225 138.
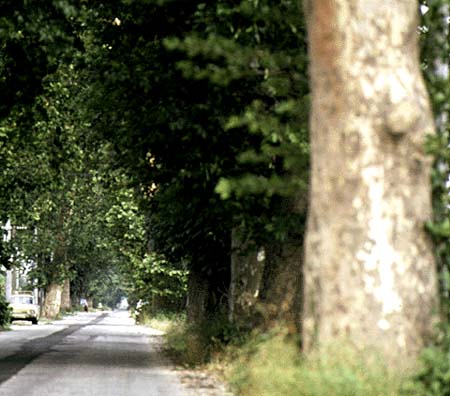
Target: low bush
pixel 197 344
pixel 433 378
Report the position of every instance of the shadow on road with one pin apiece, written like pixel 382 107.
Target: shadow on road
pixel 11 365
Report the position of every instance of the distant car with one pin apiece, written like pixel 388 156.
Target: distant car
pixel 23 308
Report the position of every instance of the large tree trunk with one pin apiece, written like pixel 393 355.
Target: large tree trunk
pixel 52 301
pixel 369 267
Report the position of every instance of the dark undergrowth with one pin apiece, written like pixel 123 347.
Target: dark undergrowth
pixel 5 311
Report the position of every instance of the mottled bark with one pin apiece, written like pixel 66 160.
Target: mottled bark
pixel 52 301
pixel 369 267
pixel 247 265
pixel 66 302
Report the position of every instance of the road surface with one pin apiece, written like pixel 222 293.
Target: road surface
pixel 89 354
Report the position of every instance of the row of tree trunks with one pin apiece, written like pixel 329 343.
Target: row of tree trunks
pixel 369 272
pixel 207 292
pixel 368 276
pixel 266 287
pixel 266 283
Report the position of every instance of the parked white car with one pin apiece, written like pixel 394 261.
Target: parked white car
pixel 24 308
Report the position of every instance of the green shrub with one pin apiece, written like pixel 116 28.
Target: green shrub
pixel 433 378
pixel 196 344
pixel 158 284
pixel 5 311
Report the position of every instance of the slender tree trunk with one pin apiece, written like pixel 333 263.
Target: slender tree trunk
pixel 282 281
pixel 207 294
pixel 281 289
pixel 52 301
pixel 197 299
pixel 247 265
pixel 90 302
pixel 66 302
pixel 369 266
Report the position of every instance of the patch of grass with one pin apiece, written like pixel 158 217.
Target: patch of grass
pixel 164 321
pixel 271 365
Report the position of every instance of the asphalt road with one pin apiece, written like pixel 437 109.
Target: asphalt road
pixel 90 354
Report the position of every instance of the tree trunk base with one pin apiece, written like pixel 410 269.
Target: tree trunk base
pixel 52 301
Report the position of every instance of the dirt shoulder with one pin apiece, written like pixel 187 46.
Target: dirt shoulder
pixel 202 383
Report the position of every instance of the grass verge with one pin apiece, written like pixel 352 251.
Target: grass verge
pixel 271 364
pixel 165 321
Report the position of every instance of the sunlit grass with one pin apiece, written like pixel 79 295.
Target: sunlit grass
pixel 162 321
pixel 274 366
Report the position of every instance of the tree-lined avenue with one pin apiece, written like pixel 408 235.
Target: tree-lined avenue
pixel 84 355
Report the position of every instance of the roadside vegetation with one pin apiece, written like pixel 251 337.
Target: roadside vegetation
pixel 268 363
pixel 5 312
pixel 189 156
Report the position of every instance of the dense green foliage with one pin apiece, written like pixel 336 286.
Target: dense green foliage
pixel 213 100
pixel 155 281
pixel 435 55
pixel 35 39
pixel 136 135
pixel 433 378
pixel 5 313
